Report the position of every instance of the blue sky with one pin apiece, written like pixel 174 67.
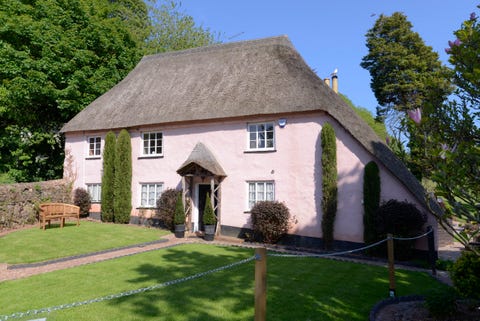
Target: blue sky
pixel 331 34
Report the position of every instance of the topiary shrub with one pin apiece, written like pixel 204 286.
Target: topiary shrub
pixel 402 219
pixel 82 199
pixel 329 183
pixel 108 177
pixel 270 220
pixel 123 178
pixel 465 274
pixel 371 201
pixel 166 207
pixel 179 216
pixel 208 213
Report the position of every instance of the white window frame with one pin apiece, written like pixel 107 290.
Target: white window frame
pixel 152 143
pixel 95 191
pixel 256 134
pixel 259 191
pixel 96 143
pixel 146 190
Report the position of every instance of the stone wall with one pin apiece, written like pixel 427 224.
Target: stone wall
pixel 19 202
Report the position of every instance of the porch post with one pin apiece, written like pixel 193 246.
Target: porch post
pixel 219 207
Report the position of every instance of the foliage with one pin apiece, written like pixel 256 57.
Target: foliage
pixel 441 303
pixel 56 57
pixel 209 217
pixel 270 220
pixel 82 199
pixel 5 178
pixel 174 30
pixel 123 178
pixel 465 274
pixel 371 201
pixel 456 145
pixel 179 217
pixel 375 123
pixel 406 76
pixel 166 205
pixel 402 219
pixel 329 183
pixel 108 177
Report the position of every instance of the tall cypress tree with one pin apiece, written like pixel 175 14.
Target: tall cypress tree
pixel 123 178
pixel 108 177
pixel 371 201
pixel 329 183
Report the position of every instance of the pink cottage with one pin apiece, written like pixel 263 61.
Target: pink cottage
pixel 243 119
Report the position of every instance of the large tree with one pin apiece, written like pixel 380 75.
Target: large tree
pixel 57 56
pixel 407 77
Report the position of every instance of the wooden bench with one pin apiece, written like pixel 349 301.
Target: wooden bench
pixel 58 211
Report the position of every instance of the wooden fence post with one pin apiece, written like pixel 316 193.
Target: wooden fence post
pixel 260 284
pixel 432 257
pixel 391 265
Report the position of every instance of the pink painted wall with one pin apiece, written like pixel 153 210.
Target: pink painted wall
pixel 295 167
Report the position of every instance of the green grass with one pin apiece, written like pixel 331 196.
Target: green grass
pixel 36 245
pixel 298 288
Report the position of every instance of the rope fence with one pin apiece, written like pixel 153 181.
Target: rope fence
pixel 256 257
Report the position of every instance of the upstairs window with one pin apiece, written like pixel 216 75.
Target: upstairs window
pixel 152 144
pixel 94 146
pixel 260 191
pixel 150 194
pixel 261 136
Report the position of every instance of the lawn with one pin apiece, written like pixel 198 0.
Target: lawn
pixel 298 288
pixel 36 245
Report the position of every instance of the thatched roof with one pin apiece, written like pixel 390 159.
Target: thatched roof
pixel 258 77
pixel 201 157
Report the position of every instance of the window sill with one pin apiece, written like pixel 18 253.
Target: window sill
pixel 149 157
pixel 247 212
pixel 146 208
pixel 93 157
pixel 259 151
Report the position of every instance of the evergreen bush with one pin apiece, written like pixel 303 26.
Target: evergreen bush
pixel 329 183
pixel 108 177
pixel 179 217
pixel 465 275
pixel 166 207
pixel 208 213
pixel 82 199
pixel 270 220
pixel 123 178
pixel 402 219
pixel 371 201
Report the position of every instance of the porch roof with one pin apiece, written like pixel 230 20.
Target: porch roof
pixel 202 157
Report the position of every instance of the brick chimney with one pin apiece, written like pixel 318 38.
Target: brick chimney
pixel 335 83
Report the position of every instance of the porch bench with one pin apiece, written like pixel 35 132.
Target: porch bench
pixel 61 211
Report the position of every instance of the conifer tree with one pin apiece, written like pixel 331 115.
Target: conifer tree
pixel 371 201
pixel 123 178
pixel 108 178
pixel 329 183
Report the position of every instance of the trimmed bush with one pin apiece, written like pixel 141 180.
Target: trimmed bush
pixel 82 199
pixel 108 178
pixel 123 178
pixel 402 219
pixel 465 274
pixel 179 217
pixel 441 303
pixel 329 183
pixel 371 201
pixel 166 207
pixel 270 220
pixel 208 213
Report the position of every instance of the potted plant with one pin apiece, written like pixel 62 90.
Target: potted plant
pixel 179 218
pixel 209 219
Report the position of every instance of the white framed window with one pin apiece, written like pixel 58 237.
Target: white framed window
pixel 260 191
pixel 150 192
pixel 152 144
pixel 261 136
pixel 94 146
pixel 95 191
